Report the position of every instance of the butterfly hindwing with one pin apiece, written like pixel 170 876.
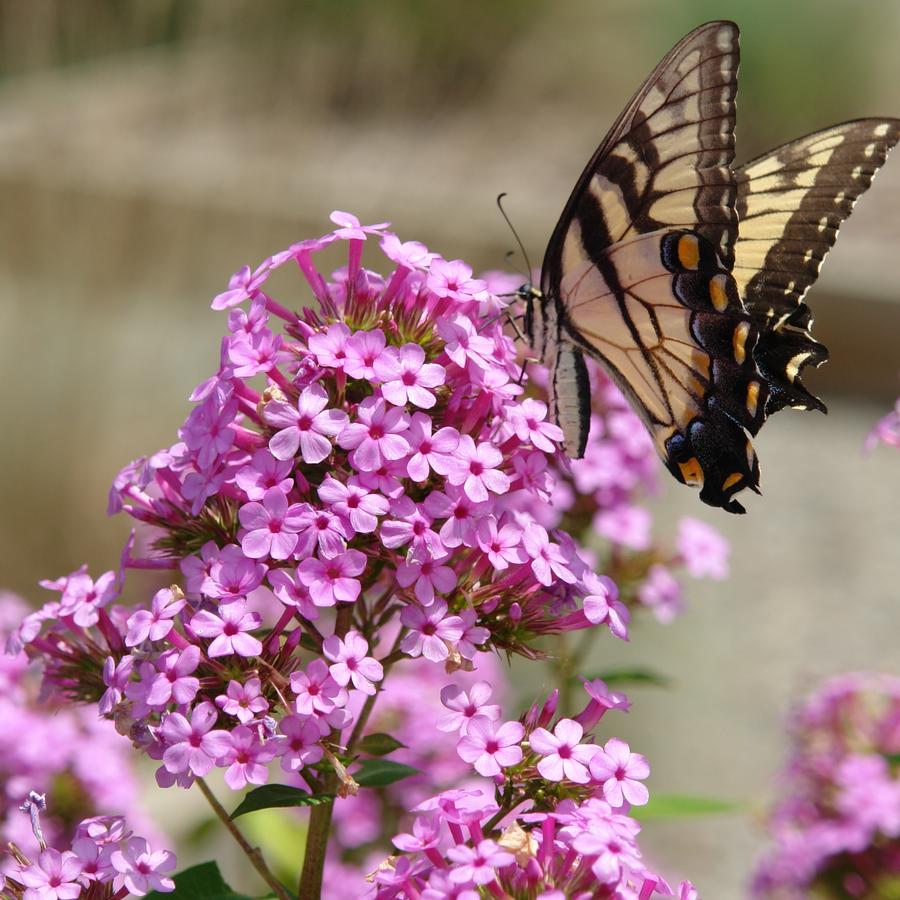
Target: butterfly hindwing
pixel 791 203
pixel 663 317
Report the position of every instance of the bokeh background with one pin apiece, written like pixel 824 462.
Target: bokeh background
pixel 148 148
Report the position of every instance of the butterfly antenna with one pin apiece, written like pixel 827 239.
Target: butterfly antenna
pixel 515 234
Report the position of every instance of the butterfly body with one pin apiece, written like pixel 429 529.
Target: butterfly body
pixel 684 276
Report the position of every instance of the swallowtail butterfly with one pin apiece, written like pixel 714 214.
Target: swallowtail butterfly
pixel 685 276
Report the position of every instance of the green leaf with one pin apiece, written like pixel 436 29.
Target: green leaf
pixel 381 772
pixel 379 744
pixel 620 677
pixel 892 758
pixel 200 882
pixel 681 806
pixel 272 795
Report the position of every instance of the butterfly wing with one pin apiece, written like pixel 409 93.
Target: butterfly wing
pixel 791 203
pixel 638 268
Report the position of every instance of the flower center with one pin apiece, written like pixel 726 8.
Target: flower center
pixel 304 422
pixel 376 432
pixel 475 467
pixel 492 746
pixel 408 378
pixel 565 751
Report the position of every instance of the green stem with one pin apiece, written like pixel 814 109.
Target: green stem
pixel 310 887
pixel 253 853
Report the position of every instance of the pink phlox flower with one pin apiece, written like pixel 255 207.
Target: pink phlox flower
pixel 461 806
pixel 661 591
pixel 440 887
pixel 350 662
pixel 196 567
pixel 154 624
pixel 229 629
pixel 453 279
pixel 867 794
pixel 174 681
pixel 429 451
pixel 330 346
pixel 288 588
pixel 193 745
pixel 462 514
pixel 333 580
pixel 242 285
pixel 103 830
pixel 142 870
pixel 426 834
pixel 398 876
pixel 625 524
pixel 428 574
pixel 207 431
pixel 231 575
pixel 299 745
pixel 246 759
pixel 409 254
pixel 702 549
pixel 376 436
pixel 323 530
pixel 528 420
pixel 271 526
pixel 406 377
pixel 886 430
pixel 478 864
pixel 473 635
pixel 502 545
pixel 82 597
pixel 306 427
pixel 53 877
pixel 464 344
pixel 533 474
pixel 365 350
pixel 116 677
pixel 600 700
pixel 465 705
pixel 547 558
pixel 316 690
pixel 411 526
pixel 475 467
pixel 489 747
pixel 198 487
pixel 563 756
pixel 354 503
pixel 262 473
pixel 385 478
pixel 614 850
pixel 620 772
pixel 93 859
pixel 251 321
pixel 602 604
pixel 349 227
pixel 244 701
pixel 252 354
pixel 430 630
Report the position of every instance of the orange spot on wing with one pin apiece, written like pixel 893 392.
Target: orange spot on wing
pixel 738 340
pixel 691 471
pixel 717 292
pixel 689 251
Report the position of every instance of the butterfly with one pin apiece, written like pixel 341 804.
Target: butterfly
pixel 685 276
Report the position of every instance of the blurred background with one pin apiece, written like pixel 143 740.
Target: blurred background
pixel 150 148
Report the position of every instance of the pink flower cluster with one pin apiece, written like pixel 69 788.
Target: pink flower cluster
pixel 357 486
pixel 105 862
pixel 886 430
pixel 53 750
pixel 374 460
pixel 556 824
pixel 836 826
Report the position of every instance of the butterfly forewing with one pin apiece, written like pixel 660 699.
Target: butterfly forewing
pixel 791 203
pixel 667 160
